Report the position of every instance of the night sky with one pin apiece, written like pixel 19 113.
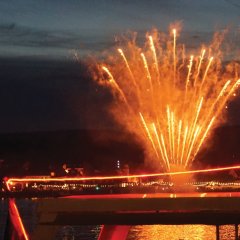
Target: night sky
pixel 43 88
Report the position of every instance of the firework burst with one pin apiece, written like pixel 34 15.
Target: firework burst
pixel 169 100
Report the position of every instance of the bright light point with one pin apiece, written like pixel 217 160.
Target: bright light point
pixel 120 50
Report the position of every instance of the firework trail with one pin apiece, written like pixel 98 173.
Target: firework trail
pixel 170 101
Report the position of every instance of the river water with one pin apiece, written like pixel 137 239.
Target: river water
pixel 143 232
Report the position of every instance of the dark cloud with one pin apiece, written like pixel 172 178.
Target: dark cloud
pixel 15 35
pixel 52 28
pixel 234 3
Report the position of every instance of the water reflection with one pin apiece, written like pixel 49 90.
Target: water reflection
pixel 173 232
pixel 68 233
pixel 88 232
pixel 180 232
pixel 227 232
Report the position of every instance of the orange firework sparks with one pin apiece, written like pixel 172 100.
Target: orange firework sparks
pixel 169 100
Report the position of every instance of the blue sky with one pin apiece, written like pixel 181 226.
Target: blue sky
pixel 53 28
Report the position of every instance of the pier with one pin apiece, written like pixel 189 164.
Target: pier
pixel 117 212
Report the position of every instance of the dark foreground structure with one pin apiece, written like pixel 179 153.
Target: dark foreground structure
pixel 117 212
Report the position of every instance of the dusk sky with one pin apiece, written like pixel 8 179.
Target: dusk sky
pixel 53 28
pixel 38 92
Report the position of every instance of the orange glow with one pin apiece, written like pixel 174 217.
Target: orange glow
pixel 174 100
pixel 154 55
pixel 189 71
pixel 174 54
pixel 199 66
pixel 148 133
pixel 18 218
pixel 112 81
pixel 12 181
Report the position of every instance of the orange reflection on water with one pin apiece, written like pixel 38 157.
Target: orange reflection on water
pixel 172 232
pixel 227 232
pixel 180 232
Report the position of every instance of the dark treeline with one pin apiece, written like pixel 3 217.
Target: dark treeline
pixel 42 152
